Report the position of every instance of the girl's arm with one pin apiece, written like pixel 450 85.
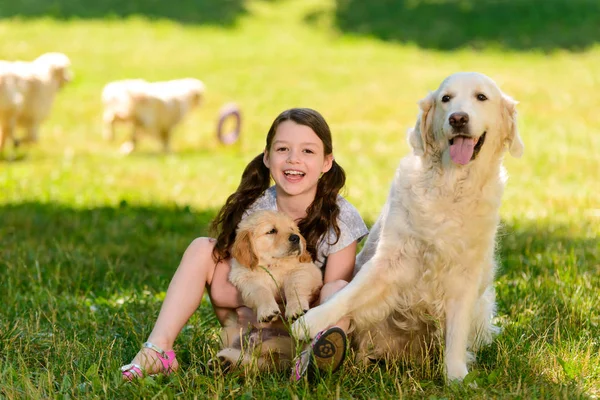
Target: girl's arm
pixel 340 265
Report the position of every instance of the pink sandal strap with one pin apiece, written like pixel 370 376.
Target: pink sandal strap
pixel 131 371
pixel 167 358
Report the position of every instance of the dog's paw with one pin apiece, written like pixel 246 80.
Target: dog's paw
pixel 269 316
pixel 456 371
pixel 299 329
pixel 292 315
pixel 221 362
pixel 311 323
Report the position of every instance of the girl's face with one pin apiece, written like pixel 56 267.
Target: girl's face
pixel 296 159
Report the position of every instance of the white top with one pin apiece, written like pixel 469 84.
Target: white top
pixel 352 227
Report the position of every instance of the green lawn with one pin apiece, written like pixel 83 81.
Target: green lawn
pixel 89 239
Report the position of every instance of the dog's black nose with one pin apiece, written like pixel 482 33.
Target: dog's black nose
pixel 294 238
pixel 458 119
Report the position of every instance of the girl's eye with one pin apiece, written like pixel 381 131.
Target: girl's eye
pixel 281 149
pixel 309 151
pixel 272 231
pixel 445 98
pixel 481 97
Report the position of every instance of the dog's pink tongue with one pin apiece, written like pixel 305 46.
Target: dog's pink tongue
pixel 461 150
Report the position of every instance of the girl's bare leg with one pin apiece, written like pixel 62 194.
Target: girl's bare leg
pixel 184 295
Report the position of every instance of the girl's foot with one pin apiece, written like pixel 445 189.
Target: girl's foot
pixel 325 354
pixel 150 360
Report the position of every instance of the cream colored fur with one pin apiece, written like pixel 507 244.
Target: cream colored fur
pixel 425 275
pixel 151 107
pixel 27 91
pixel 269 262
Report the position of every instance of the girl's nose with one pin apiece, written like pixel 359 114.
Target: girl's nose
pixel 292 157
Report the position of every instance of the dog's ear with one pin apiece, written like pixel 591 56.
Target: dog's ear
pixel 512 139
pixel 305 256
pixel 417 135
pixel 243 250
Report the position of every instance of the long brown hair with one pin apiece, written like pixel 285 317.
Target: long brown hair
pixel 321 215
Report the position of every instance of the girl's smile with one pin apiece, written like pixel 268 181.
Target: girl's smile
pixel 296 159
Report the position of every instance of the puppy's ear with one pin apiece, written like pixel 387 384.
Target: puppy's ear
pixel 512 139
pixel 417 135
pixel 305 256
pixel 243 250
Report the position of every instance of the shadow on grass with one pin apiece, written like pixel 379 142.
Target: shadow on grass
pixel 99 249
pixel 67 270
pixel 451 24
pixel 85 287
pixel 221 12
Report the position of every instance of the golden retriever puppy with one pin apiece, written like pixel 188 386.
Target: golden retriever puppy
pixel 151 107
pixel 425 275
pixel 269 262
pixel 27 91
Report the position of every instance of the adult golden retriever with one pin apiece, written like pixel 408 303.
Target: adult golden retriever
pixel 269 262
pixel 425 274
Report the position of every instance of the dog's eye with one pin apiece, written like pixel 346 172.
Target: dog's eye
pixel 272 231
pixel 481 97
pixel 445 98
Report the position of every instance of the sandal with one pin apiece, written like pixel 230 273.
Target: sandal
pixel 167 358
pixel 325 354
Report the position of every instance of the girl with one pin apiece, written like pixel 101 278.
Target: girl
pixel 298 157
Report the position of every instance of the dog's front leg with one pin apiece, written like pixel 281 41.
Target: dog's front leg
pixel 459 308
pixel 298 289
pixel 260 298
pixel 364 292
pixel 296 302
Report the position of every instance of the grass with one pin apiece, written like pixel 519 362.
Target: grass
pixel 90 239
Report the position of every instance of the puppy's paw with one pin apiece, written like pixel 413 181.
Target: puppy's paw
pixel 224 361
pixel 225 364
pixel 268 315
pixel 294 314
pixel 219 364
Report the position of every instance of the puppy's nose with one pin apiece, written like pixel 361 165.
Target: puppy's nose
pixel 294 238
pixel 458 119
